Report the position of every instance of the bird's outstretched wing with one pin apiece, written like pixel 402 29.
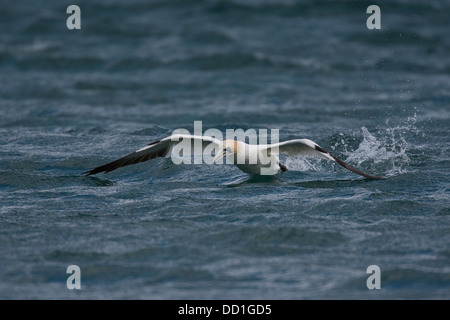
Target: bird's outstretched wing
pixel 309 148
pixel 160 148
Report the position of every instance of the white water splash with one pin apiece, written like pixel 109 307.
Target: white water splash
pixel 382 152
pixel 386 150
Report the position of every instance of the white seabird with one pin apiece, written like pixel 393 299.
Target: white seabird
pixel 231 149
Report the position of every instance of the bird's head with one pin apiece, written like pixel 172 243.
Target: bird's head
pixel 227 150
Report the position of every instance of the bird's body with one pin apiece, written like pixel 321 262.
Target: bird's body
pixel 249 158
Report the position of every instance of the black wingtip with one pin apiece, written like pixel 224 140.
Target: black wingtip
pixel 90 172
pixel 347 166
pixel 105 168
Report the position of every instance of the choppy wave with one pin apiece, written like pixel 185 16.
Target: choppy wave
pixel 139 69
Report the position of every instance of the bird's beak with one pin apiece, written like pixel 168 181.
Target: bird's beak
pixel 219 156
pixel 222 155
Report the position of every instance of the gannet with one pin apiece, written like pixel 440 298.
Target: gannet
pixel 232 149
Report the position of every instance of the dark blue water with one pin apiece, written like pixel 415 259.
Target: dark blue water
pixel 71 100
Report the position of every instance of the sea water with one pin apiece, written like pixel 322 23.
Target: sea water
pixel 71 100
